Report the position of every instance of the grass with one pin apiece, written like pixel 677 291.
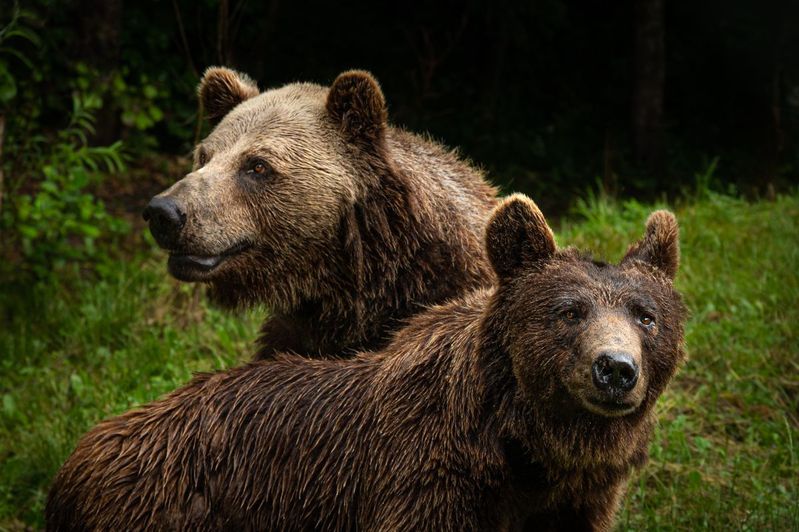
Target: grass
pixel 72 354
pixel 725 454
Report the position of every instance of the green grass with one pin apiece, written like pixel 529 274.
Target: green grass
pixel 73 354
pixel 725 454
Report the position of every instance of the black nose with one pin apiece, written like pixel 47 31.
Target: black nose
pixel 615 372
pixel 166 221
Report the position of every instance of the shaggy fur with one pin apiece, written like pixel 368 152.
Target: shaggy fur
pixel 350 227
pixel 468 420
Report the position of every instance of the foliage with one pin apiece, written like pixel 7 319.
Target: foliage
pixel 724 454
pixel 61 220
pixel 135 99
pixel 50 216
pixel 14 31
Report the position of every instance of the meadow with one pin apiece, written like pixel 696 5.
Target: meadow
pixel 80 348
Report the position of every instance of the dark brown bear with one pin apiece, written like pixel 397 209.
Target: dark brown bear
pixel 305 198
pixel 529 404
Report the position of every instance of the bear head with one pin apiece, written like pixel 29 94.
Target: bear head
pixel 256 215
pixel 591 345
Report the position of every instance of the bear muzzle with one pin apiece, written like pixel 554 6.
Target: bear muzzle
pixel 187 261
pixel 614 376
pixel 609 379
pixel 614 372
pixel 166 220
pixel 188 267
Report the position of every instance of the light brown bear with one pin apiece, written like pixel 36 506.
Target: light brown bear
pixel 525 405
pixel 305 198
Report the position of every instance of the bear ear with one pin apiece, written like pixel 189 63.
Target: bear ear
pixel 660 246
pixel 221 89
pixel 517 235
pixel 357 105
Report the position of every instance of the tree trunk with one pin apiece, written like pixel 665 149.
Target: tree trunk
pixel 650 67
pixel 264 39
pixel 99 44
pixel 183 40
pixel 223 50
pixel 100 29
pixel 775 136
pixel 2 137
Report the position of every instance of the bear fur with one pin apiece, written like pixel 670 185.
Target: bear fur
pixel 479 415
pixel 305 199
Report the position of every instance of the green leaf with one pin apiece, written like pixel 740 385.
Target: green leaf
pixel 76 383
pixel 8 86
pixel 128 118
pixel 5 50
pixel 9 406
pixel 119 83
pixel 28 231
pixel 155 113
pixel 49 186
pixel 143 121
pixel 23 33
pixel 90 230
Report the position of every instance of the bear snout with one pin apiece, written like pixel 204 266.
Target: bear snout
pixel 614 372
pixel 609 378
pixel 166 220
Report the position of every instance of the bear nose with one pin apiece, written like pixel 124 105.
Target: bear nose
pixel 615 372
pixel 166 221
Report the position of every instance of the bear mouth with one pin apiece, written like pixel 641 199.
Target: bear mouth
pixel 609 408
pixel 189 267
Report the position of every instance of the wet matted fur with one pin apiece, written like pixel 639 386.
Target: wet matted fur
pixel 474 417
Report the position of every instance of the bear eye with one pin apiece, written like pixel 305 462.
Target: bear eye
pixel 571 314
pixel 646 320
pixel 259 168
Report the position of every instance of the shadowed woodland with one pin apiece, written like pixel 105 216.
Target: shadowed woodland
pixel 551 96
pixel 600 111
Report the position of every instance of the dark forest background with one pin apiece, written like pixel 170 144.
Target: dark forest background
pixel 551 96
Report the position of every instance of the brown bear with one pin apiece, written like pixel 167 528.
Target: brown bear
pixel 526 404
pixel 305 198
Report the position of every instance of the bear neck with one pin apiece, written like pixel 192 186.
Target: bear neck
pixel 412 239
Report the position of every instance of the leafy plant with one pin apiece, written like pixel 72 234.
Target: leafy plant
pixel 135 98
pixel 61 220
pixel 15 30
